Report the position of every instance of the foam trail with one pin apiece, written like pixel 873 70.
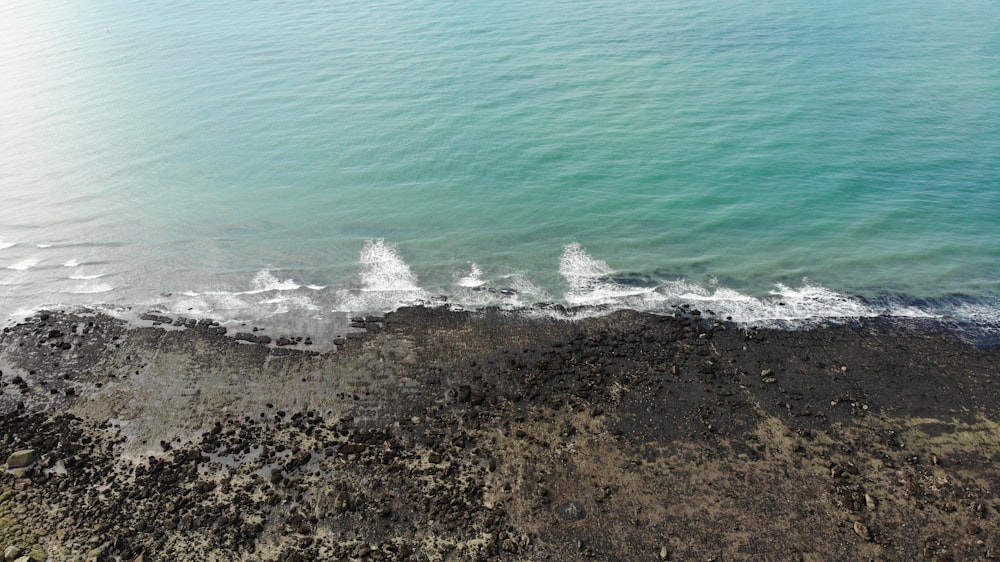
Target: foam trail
pixel 263 281
pixel 382 269
pixel 24 265
pixel 90 289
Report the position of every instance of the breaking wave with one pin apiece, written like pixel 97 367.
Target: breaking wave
pixel 382 269
pixel 590 286
pixel 24 264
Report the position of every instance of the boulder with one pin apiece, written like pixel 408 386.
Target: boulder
pixel 21 459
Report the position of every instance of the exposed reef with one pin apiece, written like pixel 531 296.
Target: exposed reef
pixel 439 435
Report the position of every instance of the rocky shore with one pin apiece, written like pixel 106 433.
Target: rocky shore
pixel 438 435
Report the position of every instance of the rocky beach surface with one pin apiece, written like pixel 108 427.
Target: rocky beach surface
pixel 491 435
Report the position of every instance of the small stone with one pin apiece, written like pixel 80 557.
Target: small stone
pixel 571 511
pixel 342 502
pixel 11 553
pixel 21 459
pixel 862 531
pixel 870 501
pixel 664 553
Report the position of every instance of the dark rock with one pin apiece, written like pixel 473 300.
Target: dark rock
pixel 157 318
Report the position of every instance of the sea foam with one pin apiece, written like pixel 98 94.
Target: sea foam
pixel 589 279
pixel 473 279
pixel 382 268
pixel 24 264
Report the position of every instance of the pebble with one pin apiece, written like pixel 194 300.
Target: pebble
pixel 11 553
pixel 571 511
pixel 870 501
pixel 862 531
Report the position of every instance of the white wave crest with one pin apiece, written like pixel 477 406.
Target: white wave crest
pixel 588 282
pixel 5 245
pixel 382 269
pixel 473 279
pixel 85 277
pixel 24 264
pixel 265 281
pixel 72 263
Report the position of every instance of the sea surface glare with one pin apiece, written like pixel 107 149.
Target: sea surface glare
pixel 770 161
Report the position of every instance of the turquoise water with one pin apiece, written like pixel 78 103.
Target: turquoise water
pixel 250 159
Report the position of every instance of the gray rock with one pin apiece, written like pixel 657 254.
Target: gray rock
pixel 21 459
pixel 571 511
pixel 342 502
pixel 11 553
pixel 862 531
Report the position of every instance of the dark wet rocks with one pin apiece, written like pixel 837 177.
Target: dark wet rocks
pixel 485 435
pixel 369 323
pixel 156 318
pixel 212 327
pixel 252 338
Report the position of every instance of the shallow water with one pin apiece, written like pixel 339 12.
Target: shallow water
pixel 768 160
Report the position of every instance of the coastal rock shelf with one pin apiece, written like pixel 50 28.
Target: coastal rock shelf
pixel 439 435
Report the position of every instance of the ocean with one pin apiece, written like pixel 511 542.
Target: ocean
pixel 774 162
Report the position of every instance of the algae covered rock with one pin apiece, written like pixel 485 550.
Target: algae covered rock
pixel 21 459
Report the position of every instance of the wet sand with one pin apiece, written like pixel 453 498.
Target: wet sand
pixel 438 435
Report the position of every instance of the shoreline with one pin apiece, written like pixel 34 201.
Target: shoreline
pixel 442 435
